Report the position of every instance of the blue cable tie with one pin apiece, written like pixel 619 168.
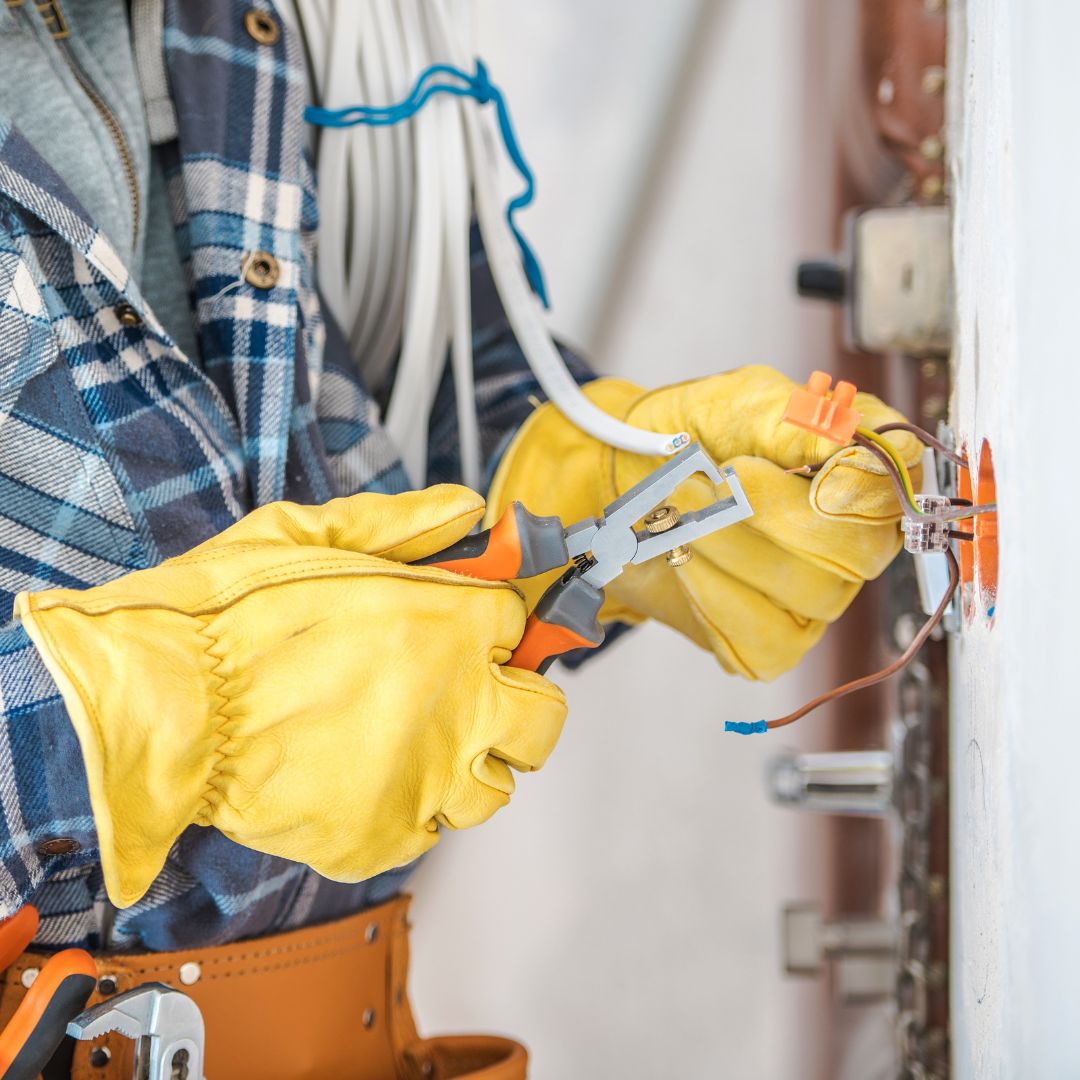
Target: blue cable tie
pixel 741 727
pixel 481 89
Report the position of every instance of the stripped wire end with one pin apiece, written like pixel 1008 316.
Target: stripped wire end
pixel 814 410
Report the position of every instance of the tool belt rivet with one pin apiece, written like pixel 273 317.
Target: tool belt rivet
pixel 190 973
pixel 28 976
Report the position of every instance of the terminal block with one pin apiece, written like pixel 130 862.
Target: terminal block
pixel 929 535
pixel 812 409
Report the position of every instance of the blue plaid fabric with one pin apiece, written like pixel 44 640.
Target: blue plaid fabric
pixel 117 450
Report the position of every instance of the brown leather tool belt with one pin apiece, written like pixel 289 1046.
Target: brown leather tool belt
pixel 323 1003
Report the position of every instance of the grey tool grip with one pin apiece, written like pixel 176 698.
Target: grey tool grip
pixel 566 618
pixel 518 545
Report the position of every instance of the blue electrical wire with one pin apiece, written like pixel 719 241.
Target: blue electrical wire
pixel 481 89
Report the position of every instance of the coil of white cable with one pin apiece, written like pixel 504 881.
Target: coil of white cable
pixel 394 224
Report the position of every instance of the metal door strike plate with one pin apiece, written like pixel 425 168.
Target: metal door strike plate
pixel 894 280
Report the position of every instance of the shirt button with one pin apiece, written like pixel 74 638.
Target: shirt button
pixel 261 270
pixel 59 845
pixel 262 27
pixel 127 315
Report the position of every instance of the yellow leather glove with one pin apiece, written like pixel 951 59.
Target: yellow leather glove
pixel 757 594
pixel 293 684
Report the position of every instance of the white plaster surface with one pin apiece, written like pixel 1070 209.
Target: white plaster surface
pixel 1015 147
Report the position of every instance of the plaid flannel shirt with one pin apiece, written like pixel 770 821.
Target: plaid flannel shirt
pixel 117 450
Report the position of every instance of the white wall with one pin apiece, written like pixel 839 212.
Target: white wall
pixel 622 914
pixel 1016 869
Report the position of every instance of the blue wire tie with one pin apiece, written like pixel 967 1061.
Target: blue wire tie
pixel 741 727
pixel 479 87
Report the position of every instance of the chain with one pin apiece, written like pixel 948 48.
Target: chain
pixel 919 1049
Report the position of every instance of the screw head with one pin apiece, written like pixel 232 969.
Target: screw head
pixel 932 186
pixel 932 148
pixel 933 80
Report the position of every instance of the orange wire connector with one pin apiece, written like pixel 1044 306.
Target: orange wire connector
pixel 830 417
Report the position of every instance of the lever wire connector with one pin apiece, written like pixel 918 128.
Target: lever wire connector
pixel 812 409
pixel 922 535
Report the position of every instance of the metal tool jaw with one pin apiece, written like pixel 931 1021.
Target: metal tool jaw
pixel 165 1023
pixel 610 543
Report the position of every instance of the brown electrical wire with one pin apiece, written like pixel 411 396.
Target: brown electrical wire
pixel 894 476
pixel 924 437
pixel 957 513
pixel 900 662
pixel 920 433
pixel 960 534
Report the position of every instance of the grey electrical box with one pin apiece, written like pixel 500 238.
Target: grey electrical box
pixel 894 279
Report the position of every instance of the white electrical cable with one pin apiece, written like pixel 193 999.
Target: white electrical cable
pixel 394 224
pixel 378 343
pixel 457 215
pixel 523 309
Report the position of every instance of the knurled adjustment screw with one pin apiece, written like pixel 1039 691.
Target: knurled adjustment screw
pixel 661 520
pixel 679 556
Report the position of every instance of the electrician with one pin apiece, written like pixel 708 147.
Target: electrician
pixel 232 717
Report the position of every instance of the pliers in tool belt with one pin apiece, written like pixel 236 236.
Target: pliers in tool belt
pixel 522 545
pixel 56 993
pixel 165 1024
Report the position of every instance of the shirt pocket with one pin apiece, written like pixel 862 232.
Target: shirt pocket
pixel 64 519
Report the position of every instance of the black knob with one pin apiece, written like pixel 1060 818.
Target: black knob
pixel 822 279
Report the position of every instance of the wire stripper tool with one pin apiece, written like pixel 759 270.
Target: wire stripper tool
pixel 521 545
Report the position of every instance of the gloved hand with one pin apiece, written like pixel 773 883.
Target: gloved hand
pixel 292 683
pixel 757 594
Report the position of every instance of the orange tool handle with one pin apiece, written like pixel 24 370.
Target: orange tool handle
pixel 566 618
pixel 57 996
pixel 16 934
pixel 518 545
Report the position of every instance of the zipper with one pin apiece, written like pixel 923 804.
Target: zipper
pixel 54 19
